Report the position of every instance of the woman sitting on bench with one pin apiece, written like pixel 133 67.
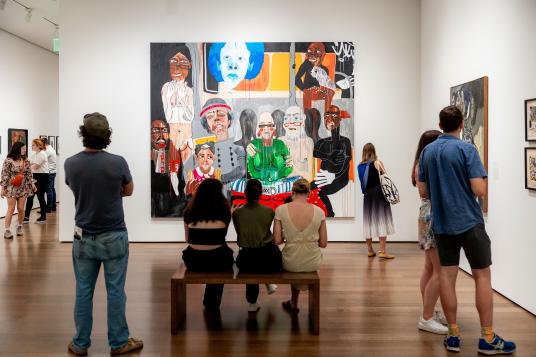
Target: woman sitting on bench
pixel 258 253
pixel 206 220
pixel 302 227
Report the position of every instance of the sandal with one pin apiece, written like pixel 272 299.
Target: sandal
pixel 371 254
pixel 287 305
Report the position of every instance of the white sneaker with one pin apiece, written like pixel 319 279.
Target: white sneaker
pixel 432 326
pixel 253 307
pixel 440 317
pixel 271 288
pixel 19 230
pixel 8 234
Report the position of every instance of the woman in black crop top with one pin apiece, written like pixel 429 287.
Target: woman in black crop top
pixel 206 220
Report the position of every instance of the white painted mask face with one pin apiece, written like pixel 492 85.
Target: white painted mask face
pixel 293 122
pixel 266 126
pixel 234 63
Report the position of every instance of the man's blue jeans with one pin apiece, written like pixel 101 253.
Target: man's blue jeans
pixel 51 192
pixel 110 249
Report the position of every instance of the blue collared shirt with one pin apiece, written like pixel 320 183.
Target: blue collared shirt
pixel 446 165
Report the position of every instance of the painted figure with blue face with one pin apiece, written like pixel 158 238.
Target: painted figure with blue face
pixel 232 62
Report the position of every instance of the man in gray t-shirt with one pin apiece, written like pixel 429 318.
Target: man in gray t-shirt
pixel 99 181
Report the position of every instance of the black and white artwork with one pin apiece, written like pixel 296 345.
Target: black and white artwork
pixel 530 119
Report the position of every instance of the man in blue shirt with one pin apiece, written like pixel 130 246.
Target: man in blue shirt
pixel 452 175
pixel 99 181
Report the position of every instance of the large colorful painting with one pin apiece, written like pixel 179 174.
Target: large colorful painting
pixel 274 111
pixel 472 99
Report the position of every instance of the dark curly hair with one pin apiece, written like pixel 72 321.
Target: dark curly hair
pixel 208 204
pixel 94 142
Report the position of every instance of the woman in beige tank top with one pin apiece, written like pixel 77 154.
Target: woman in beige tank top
pixel 302 227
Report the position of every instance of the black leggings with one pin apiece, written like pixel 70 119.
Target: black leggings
pixel 42 187
pixel 265 260
pixel 219 259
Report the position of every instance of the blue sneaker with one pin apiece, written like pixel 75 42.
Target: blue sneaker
pixel 452 343
pixel 496 347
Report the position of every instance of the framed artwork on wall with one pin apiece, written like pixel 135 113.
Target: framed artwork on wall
pixel 273 111
pixel 530 168
pixel 52 142
pixel 57 145
pixel 472 99
pixel 530 119
pixel 14 135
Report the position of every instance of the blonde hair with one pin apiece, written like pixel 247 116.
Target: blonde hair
pixel 301 187
pixel 369 153
pixel 39 144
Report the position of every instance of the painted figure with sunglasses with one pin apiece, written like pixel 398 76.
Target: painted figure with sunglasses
pixel 177 99
pixel 299 144
pixel 268 158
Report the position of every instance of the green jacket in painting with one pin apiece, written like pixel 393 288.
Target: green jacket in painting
pixel 269 162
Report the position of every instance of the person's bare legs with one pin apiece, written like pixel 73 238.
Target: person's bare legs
pixel 430 292
pixel 369 245
pixel 484 295
pixel 21 202
pixel 383 241
pixel 447 288
pixel 9 214
pixel 425 275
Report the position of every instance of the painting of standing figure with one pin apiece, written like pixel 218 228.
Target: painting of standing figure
pixel 274 111
pixel 472 99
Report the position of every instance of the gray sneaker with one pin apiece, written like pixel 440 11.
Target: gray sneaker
pixel 19 230
pixel 8 234
pixel 131 345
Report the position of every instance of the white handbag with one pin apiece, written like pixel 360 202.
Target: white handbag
pixel 389 190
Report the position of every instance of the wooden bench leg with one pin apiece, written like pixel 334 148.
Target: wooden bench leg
pixel 314 308
pixel 178 305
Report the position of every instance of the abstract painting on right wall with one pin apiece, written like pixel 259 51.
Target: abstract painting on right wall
pixel 472 99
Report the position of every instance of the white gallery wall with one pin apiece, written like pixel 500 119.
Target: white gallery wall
pixel 29 92
pixel 465 40
pixel 104 66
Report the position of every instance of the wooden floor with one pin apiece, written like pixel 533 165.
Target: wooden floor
pixel 368 307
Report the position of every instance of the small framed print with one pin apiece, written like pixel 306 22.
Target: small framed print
pixel 530 119
pixel 530 168
pixel 57 145
pixel 52 142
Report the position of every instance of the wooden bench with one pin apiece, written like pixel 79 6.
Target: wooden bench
pixel 182 277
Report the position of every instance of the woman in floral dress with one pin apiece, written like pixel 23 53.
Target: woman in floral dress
pixel 16 185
